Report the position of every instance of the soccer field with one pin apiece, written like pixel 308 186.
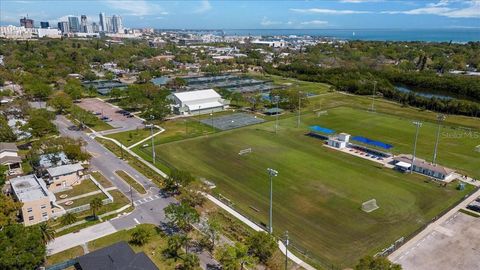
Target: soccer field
pixel 319 191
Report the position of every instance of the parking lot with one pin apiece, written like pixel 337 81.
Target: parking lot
pixel 117 120
pixel 455 244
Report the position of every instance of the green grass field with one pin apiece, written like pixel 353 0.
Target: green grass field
pixel 318 193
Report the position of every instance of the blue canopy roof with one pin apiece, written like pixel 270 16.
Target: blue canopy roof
pixel 321 129
pixel 372 142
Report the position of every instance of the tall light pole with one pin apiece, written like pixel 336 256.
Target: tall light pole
pixel 271 174
pixel 299 98
pixel 286 249
pixel 373 95
pixel 277 98
pixel 440 118
pixel 153 145
pixel 418 124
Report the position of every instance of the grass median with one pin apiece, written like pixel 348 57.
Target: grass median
pixel 132 182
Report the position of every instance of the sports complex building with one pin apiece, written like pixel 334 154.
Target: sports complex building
pixel 378 151
pixel 198 102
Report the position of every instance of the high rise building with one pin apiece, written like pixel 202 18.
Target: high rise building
pixel 108 25
pixel 27 23
pixel 117 25
pixel 103 23
pixel 74 24
pixel 63 26
pixel 83 24
pixel 44 25
pixel 95 27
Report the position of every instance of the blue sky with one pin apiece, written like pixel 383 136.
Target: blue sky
pixel 218 14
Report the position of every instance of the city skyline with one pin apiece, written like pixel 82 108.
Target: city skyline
pixel 346 14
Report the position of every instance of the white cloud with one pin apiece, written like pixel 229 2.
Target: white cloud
pixel 267 22
pixel 314 22
pixel 359 1
pixel 328 11
pixel 470 9
pixel 136 8
pixel 204 7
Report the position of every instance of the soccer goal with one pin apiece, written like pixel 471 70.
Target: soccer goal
pixel 370 206
pixel 477 148
pixel 320 113
pixel 245 151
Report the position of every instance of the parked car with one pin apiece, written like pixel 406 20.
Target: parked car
pixel 474 207
pixel 129 115
pixel 104 118
pixel 97 113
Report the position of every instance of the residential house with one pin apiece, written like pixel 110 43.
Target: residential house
pixel 64 177
pixel 9 157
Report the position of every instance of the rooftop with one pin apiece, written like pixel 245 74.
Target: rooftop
pixel 423 164
pixel 29 188
pixel 119 256
pixel 8 147
pixel 53 159
pixel 190 96
pixel 64 169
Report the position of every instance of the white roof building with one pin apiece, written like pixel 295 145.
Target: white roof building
pixel 197 102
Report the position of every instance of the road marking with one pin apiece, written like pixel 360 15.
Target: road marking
pixel 135 203
pixel 136 175
pixel 134 219
pixel 156 196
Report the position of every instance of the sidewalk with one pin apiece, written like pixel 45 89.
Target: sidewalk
pixel 71 240
pixel 257 228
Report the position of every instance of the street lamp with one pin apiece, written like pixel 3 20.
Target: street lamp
pixel 276 98
pixel 286 249
pixel 440 118
pixel 373 95
pixel 418 124
pixel 153 146
pixel 271 173
pixel 299 98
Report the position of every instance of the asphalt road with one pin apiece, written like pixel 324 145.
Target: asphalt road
pixel 148 207
pixel 106 162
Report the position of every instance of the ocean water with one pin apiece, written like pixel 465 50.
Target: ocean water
pixel 428 35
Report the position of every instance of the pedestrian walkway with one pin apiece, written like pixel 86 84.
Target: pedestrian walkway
pixel 258 229
pixel 147 199
pixel 86 235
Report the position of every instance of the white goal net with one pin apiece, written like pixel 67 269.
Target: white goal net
pixel 370 206
pixel 477 148
pixel 245 151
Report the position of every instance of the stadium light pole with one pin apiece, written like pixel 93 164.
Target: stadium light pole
pixel 153 145
pixel 418 124
pixel 440 118
pixel 271 174
pixel 299 98
pixel 373 95
pixel 277 98
pixel 286 249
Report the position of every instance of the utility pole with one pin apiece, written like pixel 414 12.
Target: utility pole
pixel 418 124
pixel 440 118
pixel 373 95
pixel 153 143
pixel 286 249
pixel 131 195
pixel 299 98
pixel 271 173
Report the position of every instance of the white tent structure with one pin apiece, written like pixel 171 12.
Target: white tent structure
pixel 198 102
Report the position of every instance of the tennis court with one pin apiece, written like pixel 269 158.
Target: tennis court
pixel 232 121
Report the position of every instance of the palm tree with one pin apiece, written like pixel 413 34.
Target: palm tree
pixel 48 233
pixel 68 219
pixel 95 204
